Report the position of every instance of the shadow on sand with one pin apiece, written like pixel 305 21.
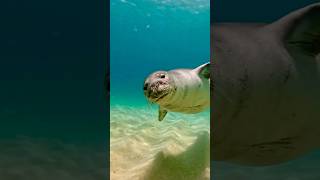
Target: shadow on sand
pixel 189 165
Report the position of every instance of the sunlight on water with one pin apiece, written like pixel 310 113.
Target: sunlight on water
pixel 194 6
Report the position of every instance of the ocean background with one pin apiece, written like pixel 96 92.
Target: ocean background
pixel 145 36
pixel 53 106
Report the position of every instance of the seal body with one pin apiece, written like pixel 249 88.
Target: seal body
pixel 180 90
pixel 266 84
pixel 192 93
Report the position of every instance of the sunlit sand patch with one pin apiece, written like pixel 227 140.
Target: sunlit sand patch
pixel 141 146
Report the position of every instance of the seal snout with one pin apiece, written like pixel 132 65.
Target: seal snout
pixel 156 86
pixel 156 90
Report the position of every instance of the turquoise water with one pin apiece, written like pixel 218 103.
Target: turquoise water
pixel 150 35
pixel 53 110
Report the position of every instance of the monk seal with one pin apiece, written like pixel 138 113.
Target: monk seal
pixel 265 100
pixel 179 90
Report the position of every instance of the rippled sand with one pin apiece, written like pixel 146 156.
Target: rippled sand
pixel 143 148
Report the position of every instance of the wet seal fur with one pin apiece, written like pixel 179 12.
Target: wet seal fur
pixel 266 89
pixel 179 90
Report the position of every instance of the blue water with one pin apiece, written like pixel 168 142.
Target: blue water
pixel 149 35
pixel 53 110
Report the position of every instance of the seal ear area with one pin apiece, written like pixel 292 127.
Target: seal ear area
pixel 162 113
pixel 203 70
pixel 301 29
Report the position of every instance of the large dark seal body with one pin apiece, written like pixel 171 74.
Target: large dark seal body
pixel 179 90
pixel 266 89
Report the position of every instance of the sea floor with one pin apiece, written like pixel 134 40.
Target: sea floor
pixel 141 147
pixel 305 167
pixel 49 159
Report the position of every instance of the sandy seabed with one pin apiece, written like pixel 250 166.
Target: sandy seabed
pixel 143 148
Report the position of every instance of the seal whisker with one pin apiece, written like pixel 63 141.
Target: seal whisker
pixel 149 106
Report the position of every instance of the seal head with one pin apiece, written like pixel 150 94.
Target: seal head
pixel 179 90
pixel 158 86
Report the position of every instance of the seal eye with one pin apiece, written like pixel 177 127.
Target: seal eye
pixel 162 76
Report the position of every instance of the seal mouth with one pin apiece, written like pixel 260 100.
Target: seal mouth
pixel 157 91
pixel 156 97
pixel 161 97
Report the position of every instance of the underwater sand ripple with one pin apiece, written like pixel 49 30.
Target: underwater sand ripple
pixel 142 147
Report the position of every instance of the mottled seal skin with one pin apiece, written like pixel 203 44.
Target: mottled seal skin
pixel 266 89
pixel 179 90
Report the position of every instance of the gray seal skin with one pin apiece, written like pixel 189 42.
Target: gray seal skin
pixel 179 90
pixel 266 89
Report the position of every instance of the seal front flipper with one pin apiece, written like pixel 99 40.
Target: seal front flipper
pixel 301 29
pixel 203 70
pixel 162 113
